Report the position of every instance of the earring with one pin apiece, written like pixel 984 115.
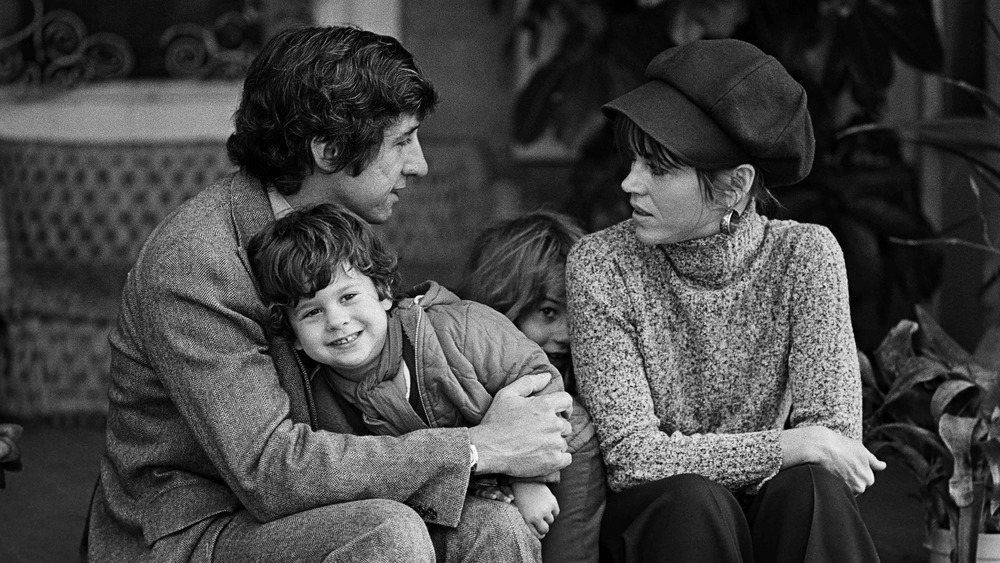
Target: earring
pixel 730 221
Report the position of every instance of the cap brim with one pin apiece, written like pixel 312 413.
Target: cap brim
pixel 677 123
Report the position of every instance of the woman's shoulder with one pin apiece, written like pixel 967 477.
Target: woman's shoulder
pixel 801 238
pixel 617 240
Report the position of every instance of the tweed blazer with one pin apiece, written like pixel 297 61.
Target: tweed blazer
pixel 208 417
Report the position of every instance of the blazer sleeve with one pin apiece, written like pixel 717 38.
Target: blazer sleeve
pixel 823 369
pixel 196 316
pixel 613 384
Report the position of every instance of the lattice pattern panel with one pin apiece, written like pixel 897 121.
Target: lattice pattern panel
pixel 75 218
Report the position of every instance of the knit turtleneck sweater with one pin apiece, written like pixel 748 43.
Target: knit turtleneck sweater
pixel 691 357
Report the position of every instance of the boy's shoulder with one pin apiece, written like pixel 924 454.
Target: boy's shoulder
pixel 445 309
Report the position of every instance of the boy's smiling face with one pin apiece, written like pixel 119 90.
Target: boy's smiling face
pixel 343 325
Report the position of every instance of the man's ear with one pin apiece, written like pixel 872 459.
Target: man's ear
pixel 323 153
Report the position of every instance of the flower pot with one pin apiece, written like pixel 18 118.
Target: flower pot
pixel 941 542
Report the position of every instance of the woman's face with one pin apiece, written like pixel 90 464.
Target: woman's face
pixel 668 206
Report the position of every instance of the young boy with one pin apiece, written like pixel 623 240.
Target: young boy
pixel 428 360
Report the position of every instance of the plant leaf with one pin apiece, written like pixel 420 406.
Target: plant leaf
pixel 914 460
pixel 936 340
pixel 991 451
pixel 946 393
pixel 868 380
pixel 915 371
pixel 910 31
pixel 990 105
pixel 910 435
pixel 956 433
pixel 896 347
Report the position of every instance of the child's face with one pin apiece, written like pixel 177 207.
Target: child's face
pixel 343 325
pixel 546 325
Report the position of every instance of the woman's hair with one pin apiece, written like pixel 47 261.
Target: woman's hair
pixel 338 85
pixel 515 264
pixel 715 184
pixel 304 251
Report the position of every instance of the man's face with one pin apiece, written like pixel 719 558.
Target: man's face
pixel 372 193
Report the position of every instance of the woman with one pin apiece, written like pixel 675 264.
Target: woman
pixel 712 345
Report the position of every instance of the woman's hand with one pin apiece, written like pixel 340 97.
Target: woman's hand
pixel 844 457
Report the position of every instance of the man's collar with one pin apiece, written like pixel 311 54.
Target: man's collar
pixel 279 205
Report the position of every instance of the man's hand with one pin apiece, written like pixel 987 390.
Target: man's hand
pixel 521 435
pixel 537 505
pixel 844 457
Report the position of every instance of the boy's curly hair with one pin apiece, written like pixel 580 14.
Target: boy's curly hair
pixel 337 85
pixel 515 264
pixel 304 251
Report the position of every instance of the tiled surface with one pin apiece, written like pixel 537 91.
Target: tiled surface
pixel 42 510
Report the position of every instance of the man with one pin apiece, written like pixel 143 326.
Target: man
pixel 217 445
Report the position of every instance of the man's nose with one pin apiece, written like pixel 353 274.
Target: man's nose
pixel 415 165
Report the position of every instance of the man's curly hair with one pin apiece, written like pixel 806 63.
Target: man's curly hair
pixel 338 85
pixel 304 251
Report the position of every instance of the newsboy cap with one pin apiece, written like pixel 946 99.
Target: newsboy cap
pixel 721 103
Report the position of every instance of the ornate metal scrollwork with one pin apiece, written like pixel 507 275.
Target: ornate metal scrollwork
pixel 61 52
pixel 225 51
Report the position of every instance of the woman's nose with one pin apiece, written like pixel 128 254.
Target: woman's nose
pixel 631 182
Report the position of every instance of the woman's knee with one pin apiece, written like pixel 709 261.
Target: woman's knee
pixel 687 497
pixel 811 479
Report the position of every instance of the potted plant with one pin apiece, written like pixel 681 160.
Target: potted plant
pixel 938 407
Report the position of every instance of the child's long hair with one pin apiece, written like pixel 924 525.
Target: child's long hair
pixel 515 264
pixel 301 253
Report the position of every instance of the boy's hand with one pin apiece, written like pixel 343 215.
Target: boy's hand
pixel 538 506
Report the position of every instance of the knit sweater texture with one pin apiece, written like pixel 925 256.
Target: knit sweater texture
pixel 691 357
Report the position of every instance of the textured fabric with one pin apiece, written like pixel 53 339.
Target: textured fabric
pixel 691 357
pixel 489 531
pixel 366 531
pixel 207 417
pixel 804 514
pixel 465 353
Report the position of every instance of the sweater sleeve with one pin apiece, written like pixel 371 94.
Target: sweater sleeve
pixel 615 389
pixel 823 369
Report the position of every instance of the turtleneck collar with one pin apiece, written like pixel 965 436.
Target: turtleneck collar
pixel 716 260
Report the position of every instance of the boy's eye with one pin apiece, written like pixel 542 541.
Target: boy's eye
pixel 310 313
pixel 348 296
pixel 549 312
